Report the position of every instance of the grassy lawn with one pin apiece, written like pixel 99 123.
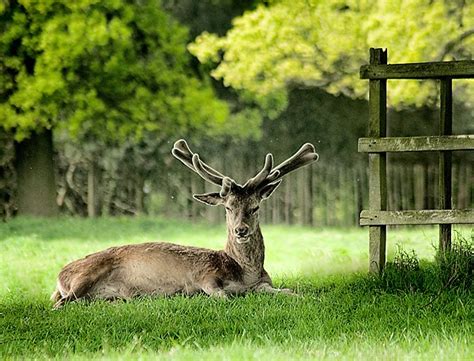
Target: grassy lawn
pixel 341 312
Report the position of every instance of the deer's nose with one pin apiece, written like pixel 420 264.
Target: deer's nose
pixel 242 230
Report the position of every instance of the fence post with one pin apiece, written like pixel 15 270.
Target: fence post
pixel 444 180
pixel 377 162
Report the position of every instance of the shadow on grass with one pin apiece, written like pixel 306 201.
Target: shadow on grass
pixel 331 310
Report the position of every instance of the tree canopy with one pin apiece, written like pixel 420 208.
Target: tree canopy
pixel 109 68
pixel 323 44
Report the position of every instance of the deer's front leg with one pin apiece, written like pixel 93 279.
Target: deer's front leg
pixel 267 288
pixel 211 288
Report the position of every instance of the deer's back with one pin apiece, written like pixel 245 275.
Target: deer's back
pixel 147 268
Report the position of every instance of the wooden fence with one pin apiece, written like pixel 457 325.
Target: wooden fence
pixel 377 217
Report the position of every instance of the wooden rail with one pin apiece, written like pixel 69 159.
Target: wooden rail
pixel 435 70
pixel 445 216
pixel 378 145
pixel 416 144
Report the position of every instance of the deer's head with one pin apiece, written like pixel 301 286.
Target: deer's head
pixel 242 202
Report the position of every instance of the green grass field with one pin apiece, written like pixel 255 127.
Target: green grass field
pixel 341 312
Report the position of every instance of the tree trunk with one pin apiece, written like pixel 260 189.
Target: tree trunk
pixel 36 192
pixel 140 194
pixel 309 197
pixel 288 201
pixel 92 190
pixel 7 175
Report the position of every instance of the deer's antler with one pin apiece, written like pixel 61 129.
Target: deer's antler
pixel 304 156
pixel 183 153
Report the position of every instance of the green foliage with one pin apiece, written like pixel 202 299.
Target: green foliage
pixel 323 43
pixel 111 69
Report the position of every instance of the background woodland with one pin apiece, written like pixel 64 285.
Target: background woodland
pixel 94 94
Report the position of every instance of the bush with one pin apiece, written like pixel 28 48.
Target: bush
pixel 403 273
pixel 451 270
pixel 455 268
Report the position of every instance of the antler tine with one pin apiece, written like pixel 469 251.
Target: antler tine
pixel 187 161
pixel 226 186
pixel 182 152
pixel 304 156
pixel 199 167
pixel 260 177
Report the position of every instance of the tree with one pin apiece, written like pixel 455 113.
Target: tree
pixel 98 177
pixel 323 43
pixel 109 70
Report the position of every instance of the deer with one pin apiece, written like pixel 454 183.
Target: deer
pixel 166 269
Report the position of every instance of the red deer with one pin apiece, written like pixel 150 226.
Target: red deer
pixel 165 269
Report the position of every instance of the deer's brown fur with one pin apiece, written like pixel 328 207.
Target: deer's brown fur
pixel 166 269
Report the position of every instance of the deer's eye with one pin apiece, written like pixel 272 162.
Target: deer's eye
pixel 228 209
pixel 254 210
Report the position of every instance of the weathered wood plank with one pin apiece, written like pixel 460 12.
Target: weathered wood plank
pixel 445 217
pixel 377 162
pixel 377 248
pixel 416 144
pixel 445 163
pixel 433 70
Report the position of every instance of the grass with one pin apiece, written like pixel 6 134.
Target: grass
pixel 341 313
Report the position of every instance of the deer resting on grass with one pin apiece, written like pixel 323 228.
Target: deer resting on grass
pixel 167 269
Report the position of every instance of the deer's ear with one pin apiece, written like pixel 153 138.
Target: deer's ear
pixel 267 191
pixel 212 199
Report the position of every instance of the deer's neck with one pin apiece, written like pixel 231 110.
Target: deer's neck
pixel 250 255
